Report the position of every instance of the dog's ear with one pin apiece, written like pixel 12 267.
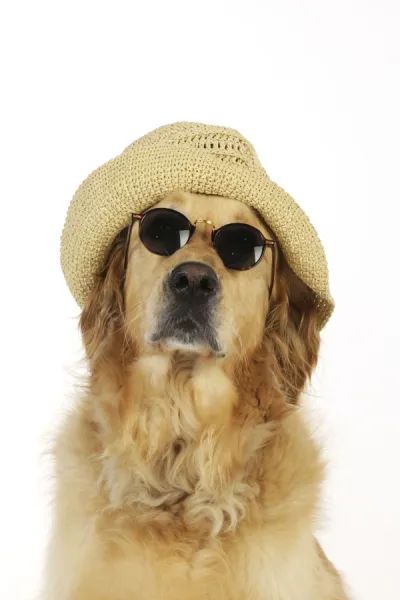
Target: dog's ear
pixel 102 316
pixel 292 333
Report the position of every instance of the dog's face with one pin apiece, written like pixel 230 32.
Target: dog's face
pixel 190 301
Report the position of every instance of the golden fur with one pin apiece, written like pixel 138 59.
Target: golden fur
pixel 182 474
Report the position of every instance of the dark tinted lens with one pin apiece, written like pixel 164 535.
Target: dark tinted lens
pixel 164 231
pixel 239 246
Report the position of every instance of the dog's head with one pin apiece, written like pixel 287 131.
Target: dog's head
pixel 190 302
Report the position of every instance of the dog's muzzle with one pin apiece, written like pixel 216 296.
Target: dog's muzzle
pixel 191 293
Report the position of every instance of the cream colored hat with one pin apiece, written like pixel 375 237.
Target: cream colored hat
pixel 191 157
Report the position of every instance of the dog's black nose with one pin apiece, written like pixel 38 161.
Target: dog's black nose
pixel 193 282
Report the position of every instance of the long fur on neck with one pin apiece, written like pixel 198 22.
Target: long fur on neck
pixel 180 445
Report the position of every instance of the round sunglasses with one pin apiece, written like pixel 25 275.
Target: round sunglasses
pixel 164 231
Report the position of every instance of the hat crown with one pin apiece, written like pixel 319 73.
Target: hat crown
pixel 224 143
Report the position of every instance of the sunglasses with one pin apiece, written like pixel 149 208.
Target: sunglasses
pixel 164 231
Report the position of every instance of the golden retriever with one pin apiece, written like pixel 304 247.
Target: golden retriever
pixel 186 470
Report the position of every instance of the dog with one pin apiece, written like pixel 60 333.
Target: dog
pixel 186 469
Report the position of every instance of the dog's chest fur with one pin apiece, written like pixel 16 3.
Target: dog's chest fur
pixel 171 487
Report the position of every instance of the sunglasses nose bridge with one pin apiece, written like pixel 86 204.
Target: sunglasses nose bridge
pixel 205 222
pixel 207 228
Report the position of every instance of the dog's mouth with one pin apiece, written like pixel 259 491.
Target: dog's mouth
pixel 190 331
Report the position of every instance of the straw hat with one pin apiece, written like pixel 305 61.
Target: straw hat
pixel 191 157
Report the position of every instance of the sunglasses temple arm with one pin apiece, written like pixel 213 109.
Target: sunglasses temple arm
pixel 274 256
pixel 128 239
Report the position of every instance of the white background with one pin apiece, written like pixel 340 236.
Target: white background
pixel 314 85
